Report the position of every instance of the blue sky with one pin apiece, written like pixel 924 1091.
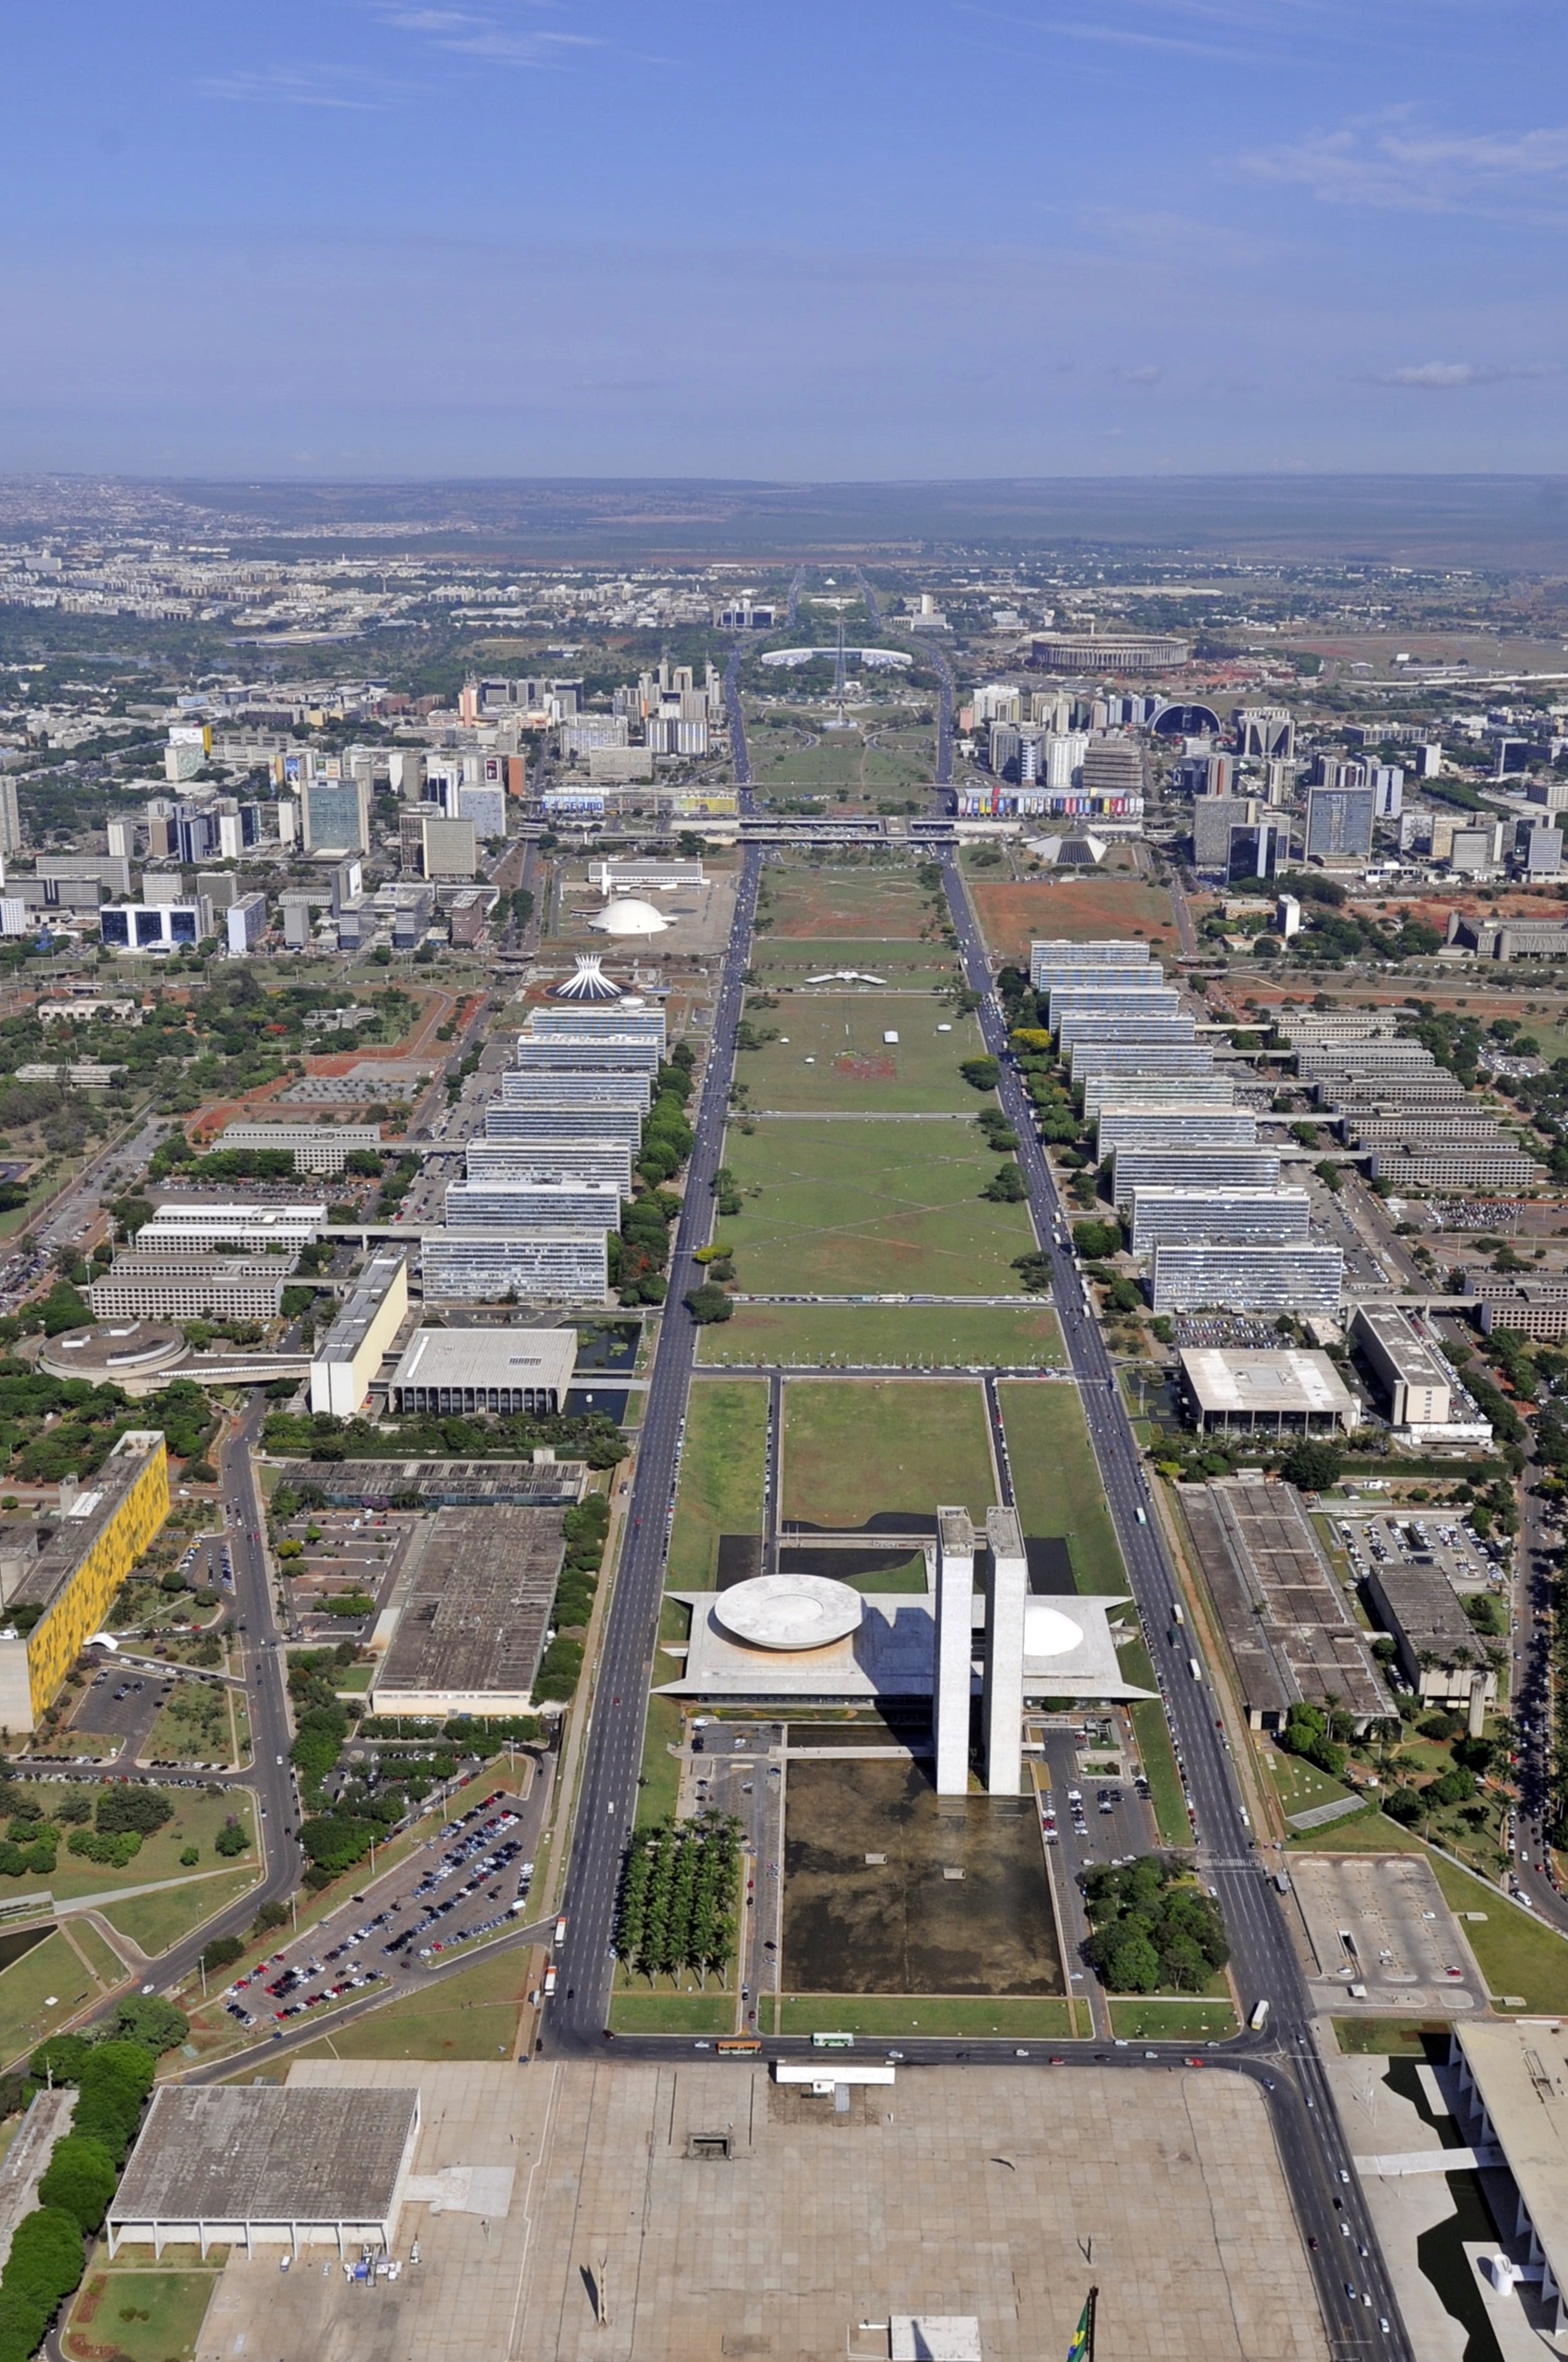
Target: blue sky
pixel 859 239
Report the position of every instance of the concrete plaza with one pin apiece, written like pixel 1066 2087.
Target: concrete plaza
pixel 995 2194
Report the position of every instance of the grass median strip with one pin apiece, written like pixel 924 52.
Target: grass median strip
pixel 892 1336
pixel 721 1477
pixel 1056 1479
pixel 884 2016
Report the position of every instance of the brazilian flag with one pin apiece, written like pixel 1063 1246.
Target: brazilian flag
pixel 1082 2347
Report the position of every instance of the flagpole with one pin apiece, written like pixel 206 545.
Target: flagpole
pixel 1090 2309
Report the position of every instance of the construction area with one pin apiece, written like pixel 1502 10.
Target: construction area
pixel 694 2212
pixel 1287 1624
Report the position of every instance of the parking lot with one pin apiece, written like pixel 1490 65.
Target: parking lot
pixel 1092 1816
pixel 1431 1537
pixel 1383 1938
pixel 343 1554
pixel 471 1878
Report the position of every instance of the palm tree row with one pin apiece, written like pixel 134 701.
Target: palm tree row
pixel 678 1897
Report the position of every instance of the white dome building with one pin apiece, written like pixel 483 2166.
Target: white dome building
pixel 629 916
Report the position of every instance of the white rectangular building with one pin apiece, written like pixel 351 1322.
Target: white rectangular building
pixel 246 923
pixel 315 1147
pixel 1207 1216
pixel 491 1266
pixel 1417 1381
pixel 190 1287
pixel 1232 1278
pixel 177 1225
pixel 607 1161
pixel 539 1202
pixel 955 1649
pixel 351 1352
pixel 504 1371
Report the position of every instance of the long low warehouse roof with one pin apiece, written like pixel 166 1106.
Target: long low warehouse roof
pixel 258 2154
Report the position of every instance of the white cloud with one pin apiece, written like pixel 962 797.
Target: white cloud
pixel 1453 377
pixel 485 33
pixel 330 86
pixel 1386 160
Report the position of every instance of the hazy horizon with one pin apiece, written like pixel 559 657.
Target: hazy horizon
pixel 943 241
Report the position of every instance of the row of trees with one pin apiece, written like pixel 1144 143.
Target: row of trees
pixel 679 1896
pixel 113 2074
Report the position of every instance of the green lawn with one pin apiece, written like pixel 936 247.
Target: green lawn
pixel 1368 1832
pixel 1154 1738
pixel 790 959
pixel 721 1476
pixel 875 1209
pixel 1056 1479
pixel 881 2016
pixel 852 899
pixel 50 1970
pixel 1516 1954
pixel 1153 1734
pixel 1389 2038
pixel 197 1820
pixel 1300 1785
pixel 896 1336
pixel 831 1055
pixel 662 2013
pixel 102 1957
pixel 145 2316
pixel 1172 2020
pixel 194 1728
pixel 156 1921
pixel 661 1771
pixel 472 2014
pixel 855 1446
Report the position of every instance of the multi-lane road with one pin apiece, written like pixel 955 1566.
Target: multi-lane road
pixel 1283 2061
pixel 607 1800
pixel 1264 1960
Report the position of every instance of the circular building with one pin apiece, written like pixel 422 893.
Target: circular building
pixel 629 917
pixel 126 1354
pixel 789 1611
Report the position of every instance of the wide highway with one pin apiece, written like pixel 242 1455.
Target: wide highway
pixel 607 1801
pixel 1264 1960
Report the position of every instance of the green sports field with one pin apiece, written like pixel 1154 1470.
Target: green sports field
pixel 872 1209
pixel 894 1336
pixel 831 1055
pixel 856 1447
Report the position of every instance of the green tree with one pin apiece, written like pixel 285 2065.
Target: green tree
pixel 80 2180
pixel 1311 1465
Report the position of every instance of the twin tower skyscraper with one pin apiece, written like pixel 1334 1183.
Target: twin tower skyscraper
pixel 1006 1590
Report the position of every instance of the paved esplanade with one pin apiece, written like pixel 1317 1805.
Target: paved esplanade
pixel 1315 2156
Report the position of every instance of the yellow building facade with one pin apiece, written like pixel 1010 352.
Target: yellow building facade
pixel 102 1532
